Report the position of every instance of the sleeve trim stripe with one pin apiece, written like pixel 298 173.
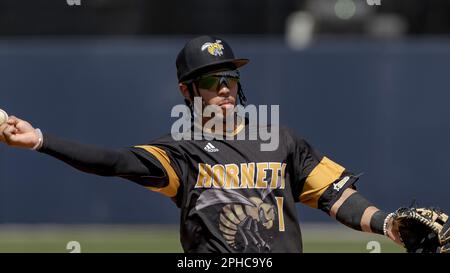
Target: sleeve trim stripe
pixel 174 183
pixel 345 195
pixel 325 173
pixel 367 217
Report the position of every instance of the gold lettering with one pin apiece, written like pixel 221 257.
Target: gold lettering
pixel 261 182
pixel 204 176
pixel 218 175
pixel 232 176
pixel 283 175
pixel 275 167
pixel 248 175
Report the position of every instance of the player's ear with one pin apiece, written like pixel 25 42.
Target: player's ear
pixel 184 90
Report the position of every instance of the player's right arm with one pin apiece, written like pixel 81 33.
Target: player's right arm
pixel 106 162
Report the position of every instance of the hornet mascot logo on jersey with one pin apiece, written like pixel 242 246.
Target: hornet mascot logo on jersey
pixel 215 49
pixel 243 220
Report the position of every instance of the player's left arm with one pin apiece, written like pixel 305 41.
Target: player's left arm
pixel 326 185
pixel 329 187
pixel 355 211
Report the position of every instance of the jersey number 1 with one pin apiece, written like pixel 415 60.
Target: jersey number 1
pixel 280 213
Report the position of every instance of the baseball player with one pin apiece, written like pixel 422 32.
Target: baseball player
pixel 233 196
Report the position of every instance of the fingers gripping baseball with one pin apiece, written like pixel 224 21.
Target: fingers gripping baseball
pixel 19 133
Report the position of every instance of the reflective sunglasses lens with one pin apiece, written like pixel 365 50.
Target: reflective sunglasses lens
pixel 208 82
pixel 232 82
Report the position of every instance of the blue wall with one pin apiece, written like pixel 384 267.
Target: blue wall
pixel 378 108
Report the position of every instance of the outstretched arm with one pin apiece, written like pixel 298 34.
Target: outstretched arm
pixel 90 159
pixel 354 211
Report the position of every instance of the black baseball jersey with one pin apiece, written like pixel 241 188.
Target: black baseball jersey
pixel 236 198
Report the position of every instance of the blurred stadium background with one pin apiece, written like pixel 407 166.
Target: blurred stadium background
pixel 367 85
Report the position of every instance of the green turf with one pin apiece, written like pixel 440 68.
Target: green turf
pixel 157 238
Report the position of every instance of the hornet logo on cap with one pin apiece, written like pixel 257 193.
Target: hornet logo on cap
pixel 215 49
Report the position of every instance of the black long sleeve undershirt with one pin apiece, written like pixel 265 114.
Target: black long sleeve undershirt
pixel 351 212
pixel 123 163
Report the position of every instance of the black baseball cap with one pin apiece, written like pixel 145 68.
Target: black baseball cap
pixel 204 54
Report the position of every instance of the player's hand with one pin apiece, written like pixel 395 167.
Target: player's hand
pixel 393 232
pixel 18 133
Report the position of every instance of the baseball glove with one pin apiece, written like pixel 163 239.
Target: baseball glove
pixel 422 230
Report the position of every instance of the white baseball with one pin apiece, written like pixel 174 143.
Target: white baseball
pixel 3 117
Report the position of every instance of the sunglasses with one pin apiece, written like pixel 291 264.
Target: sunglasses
pixel 215 80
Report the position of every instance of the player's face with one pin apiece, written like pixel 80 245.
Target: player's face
pixel 219 89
